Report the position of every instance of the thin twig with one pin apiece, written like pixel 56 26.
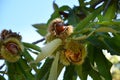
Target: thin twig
pixel 106 6
pixel 2 66
pixel 96 3
pixel 36 42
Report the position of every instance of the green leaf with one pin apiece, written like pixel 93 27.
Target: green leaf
pixel 81 3
pixel 41 28
pixel 81 73
pixel 70 73
pixel 82 70
pixel 87 69
pixel 44 70
pixel 72 18
pixel 32 46
pixel 56 13
pixel 115 24
pixel 60 67
pixel 2 78
pixel 91 56
pixel 14 73
pixel 25 69
pixel 95 74
pixel 113 44
pixel 111 11
pixel 55 6
pixel 89 18
pixel 19 70
pixel 109 23
pixel 93 2
pixel 106 42
pixel 27 55
pixel 97 42
pixel 29 58
pixel 103 65
pixel 64 8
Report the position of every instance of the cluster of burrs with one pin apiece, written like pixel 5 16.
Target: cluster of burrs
pixel 58 41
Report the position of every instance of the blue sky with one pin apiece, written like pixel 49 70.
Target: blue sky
pixel 19 15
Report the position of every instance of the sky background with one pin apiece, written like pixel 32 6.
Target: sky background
pixel 19 15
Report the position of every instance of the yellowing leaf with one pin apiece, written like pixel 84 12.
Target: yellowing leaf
pixel 53 70
pixel 48 49
pixel 105 29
